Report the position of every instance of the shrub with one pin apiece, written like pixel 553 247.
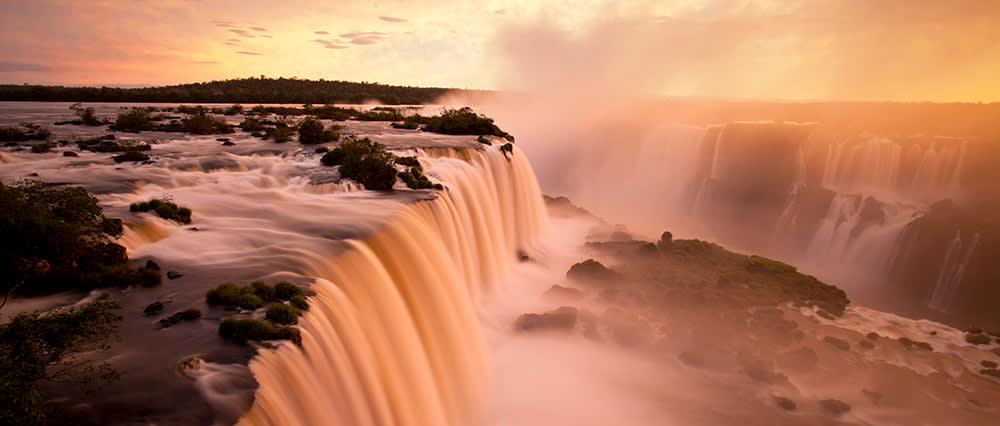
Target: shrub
pixel 279 134
pixel 165 209
pixel 57 238
pixel 415 179
pixel 250 301
pixel 131 156
pixel 29 132
pixel 762 264
pixel 282 314
pixel 240 330
pixel 299 302
pixel 41 148
pixel 408 125
pixel 200 123
pixel 364 161
pixel 133 120
pixel 190 314
pixel 482 139
pixel 226 294
pixel 251 125
pixel 85 116
pixel 464 121
pixel 322 150
pixel 262 290
pixel 977 339
pixel 410 161
pixel 311 131
pixel 507 148
pixel 285 290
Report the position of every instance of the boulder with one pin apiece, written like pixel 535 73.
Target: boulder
pixel 562 319
pixel 835 406
pixel 557 292
pixel 153 308
pixel 174 275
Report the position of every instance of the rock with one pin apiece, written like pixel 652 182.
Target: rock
pixel 762 372
pixel 152 265
pixel 988 364
pixel 153 308
pixel 222 139
pixel 837 343
pixel 562 319
pixel 826 315
pixel 800 360
pixel 558 292
pixel 835 406
pixel 784 403
pixel 108 137
pixel 174 275
pixel 70 154
pixel 874 397
pixel 866 344
pixel 523 257
pixel 228 143
pixel 872 336
pixel 185 315
pixel 591 270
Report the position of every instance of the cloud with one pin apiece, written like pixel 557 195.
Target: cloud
pixel 22 67
pixel 365 40
pixel 258 28
pixel 500 11
pixel 330 44
pixel 204 62
pixel 241 33
pixel 244 52
pixel 391 19
pixel 321 32
pixel 234 40
pixel 356 34
pixel 265 36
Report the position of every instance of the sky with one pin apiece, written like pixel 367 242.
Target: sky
pixel 906 50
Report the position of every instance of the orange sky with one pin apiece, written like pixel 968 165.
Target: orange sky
pixel 762 49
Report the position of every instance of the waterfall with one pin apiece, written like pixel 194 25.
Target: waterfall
pixel 392 335
pixel 952 271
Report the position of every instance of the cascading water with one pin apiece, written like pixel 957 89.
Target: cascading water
pixel 952 271
pixel 392 336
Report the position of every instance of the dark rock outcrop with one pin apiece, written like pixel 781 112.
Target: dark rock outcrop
pixel 562 319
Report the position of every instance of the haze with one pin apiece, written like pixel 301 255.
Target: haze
pixel 783 49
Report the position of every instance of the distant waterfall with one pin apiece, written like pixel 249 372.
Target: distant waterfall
pixel 392 336
pixel 952 271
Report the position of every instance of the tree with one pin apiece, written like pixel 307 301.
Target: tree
pixel 53 346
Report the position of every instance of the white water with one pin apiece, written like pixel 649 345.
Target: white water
pixel 392 336
pixel 949 278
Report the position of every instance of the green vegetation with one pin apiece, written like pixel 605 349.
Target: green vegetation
pixel 246 91
pixel 462 121
pixel 241 330
pixel 414 179
pixel 51 346
pixel 311 131
pixel 24 132
pixel 84 116
pixel 226 294
pixel 108 144
pixel 379 114
pixel 482 139
pixel 285 290
pixel 250 297
pixel 59 239
pixel 250 301
pixel 364 161
pixel 133 120
pixel 41 148
pixel 163 208
pixel 299 302
pixel 408 125
pixel 282 314
pixel 507 148
pixel 695 272
pixel 201 123
pixel 134 156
